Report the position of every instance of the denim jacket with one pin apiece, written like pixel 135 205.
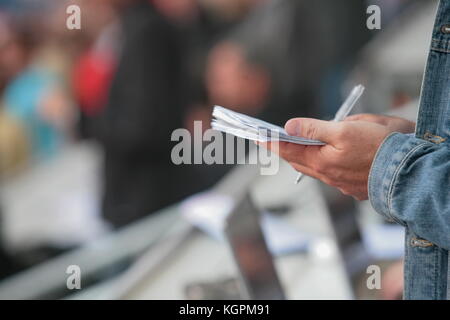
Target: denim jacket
pixel 409 181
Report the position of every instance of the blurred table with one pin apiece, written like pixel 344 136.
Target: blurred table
pixel 314 275
pixel 318 274
pixel 55 202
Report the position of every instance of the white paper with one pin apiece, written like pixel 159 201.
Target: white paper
pixel 247 127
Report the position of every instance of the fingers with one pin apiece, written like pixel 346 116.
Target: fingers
pixel 287 151
pixel 303 155
pixel 314 129
pixel 294 153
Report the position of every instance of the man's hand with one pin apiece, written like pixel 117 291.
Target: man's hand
pixel 345 161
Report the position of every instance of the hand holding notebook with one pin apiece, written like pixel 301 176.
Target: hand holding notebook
pixel 251 128
pixel 247 127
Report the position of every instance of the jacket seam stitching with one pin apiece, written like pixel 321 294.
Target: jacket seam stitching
pixel 373 164
pixel 436 262
pixel 394 178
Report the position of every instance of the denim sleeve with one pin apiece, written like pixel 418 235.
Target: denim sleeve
pixel 409 183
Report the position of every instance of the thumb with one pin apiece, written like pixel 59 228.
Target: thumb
pixel 312 129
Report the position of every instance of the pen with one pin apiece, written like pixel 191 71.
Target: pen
pixel 343 112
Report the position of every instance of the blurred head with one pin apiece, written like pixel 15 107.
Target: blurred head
pixel 234 82
pixel 16 46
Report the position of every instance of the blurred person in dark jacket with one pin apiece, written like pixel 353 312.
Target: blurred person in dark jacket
pixel 146 103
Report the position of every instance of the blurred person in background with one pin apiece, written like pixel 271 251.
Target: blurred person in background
pixel 234 81
pixel 95 63
pixel 14 147
pixel 32 91
pixel 282 57
pixel 36 111
pixel 147 101
pixel 158 87
pixel 215 20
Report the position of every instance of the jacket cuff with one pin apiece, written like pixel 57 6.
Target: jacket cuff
pixel 388 162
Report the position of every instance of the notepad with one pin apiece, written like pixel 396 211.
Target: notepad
pixel 247 127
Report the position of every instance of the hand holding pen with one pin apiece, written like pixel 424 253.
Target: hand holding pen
pixel 343 112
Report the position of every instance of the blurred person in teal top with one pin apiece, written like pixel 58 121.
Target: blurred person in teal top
pixel 32 92
pixel 23 99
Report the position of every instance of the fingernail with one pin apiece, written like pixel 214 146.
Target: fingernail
pixel 292 127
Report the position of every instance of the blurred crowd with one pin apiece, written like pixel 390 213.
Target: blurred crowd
pixel 139 69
